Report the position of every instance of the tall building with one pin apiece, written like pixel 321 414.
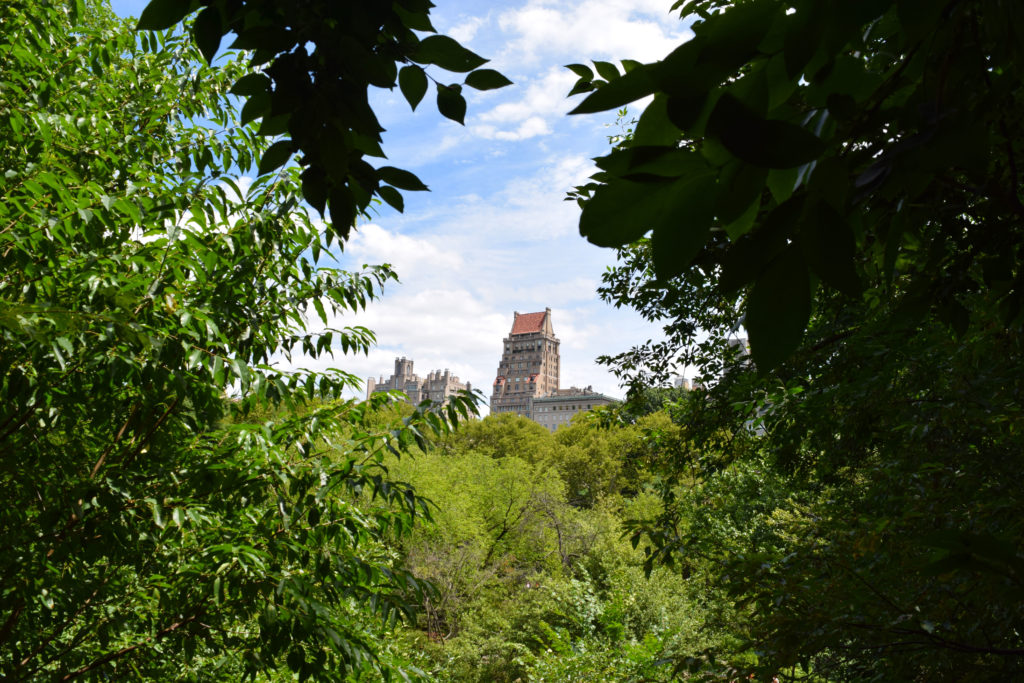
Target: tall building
pixel 436 387
pixel 529 365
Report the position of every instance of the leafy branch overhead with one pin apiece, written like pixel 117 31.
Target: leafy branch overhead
pixel 850 145
pixel 311 68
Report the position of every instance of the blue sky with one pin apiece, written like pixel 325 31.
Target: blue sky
pixel 495 235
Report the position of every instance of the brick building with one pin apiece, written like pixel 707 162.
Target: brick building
pixel 437 386
pixel 527 379
pixel 529 364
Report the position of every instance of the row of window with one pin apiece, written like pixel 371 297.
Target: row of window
pixel 513 366
pixel 529 346
pixel 573 408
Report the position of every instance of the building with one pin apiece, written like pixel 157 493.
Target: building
pixel 529 364
pixel 683 383
pixel 527 379
pixel 556 410
pixel 436 387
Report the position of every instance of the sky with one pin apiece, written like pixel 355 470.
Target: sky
pixel 495 235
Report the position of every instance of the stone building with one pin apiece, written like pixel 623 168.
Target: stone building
pixel 529 364
pixel 557 409
pixel 527 377
pixel 436 387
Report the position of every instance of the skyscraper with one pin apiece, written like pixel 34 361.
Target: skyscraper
pixel 529 364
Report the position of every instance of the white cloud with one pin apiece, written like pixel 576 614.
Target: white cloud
pixel 546 32
pixel 597 29
pixel 531 127
pixel 466 29
pixel 407 255
pixel 541 101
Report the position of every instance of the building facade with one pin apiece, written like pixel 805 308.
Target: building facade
pixel 527 380
pixel 556 410
pixel 437 386
pixel 529 365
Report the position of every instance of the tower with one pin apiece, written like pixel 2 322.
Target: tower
pixel 529 364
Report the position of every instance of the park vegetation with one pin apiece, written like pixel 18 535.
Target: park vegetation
pixel 840 180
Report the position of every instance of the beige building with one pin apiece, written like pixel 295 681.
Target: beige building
pixel 527 379
pixel 554 411
pixel 529 364
pixel 436 387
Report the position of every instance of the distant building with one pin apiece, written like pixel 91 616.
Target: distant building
pixel 436 387
pixel 557 410
pixel 740 345
pixel 527 379
pixel 529 364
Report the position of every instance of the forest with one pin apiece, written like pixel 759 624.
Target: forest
pixel 838 180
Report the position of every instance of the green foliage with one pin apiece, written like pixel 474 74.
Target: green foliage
pixel 310 69
pixel 845 502
pixel 863 147
pixel 534 583
pixel 179 507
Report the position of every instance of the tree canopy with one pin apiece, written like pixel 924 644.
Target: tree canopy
pixel 865 148
pixel 178 505
pixel 839 180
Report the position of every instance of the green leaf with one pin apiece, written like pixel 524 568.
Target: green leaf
pixel 749 256
pixel 634 85
pixel 486 79
pixel 161 14
pixel 743 223
pixel 829 248
pixel 581 70
pixel 763 142
pixel 830 181
pixel 623 211
pixel 606 70
pixel 257 106
pixel 318 304
pixel 276 156
pixel 446 53
pixel 742 184
pixel 732 36
pixel 781 183
pixel 803 36
pixel 654 126
pixel 778 308
pixel 251 84
pixel 918 17
pixel 682 231
pixel 208 31
pixel 451 103
pixel 392 197
pixel 400 178
pixel 412 81
pixel 314 189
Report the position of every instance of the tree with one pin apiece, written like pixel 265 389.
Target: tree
pixel 310 69
pixel 839 179
pixel 859 147
pixel 153 528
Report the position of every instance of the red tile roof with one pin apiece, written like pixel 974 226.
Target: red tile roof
pixel 529 322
